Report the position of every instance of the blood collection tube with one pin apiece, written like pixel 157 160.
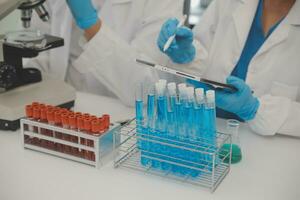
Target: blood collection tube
pixel 102 125
pixel 106 118
pixel 29 115
pixel 66 125
pixel 36 117
pixel 87 129
pixel 58 135
pixel 74 139
pixel 80 125
pixel 43 118
pixel 96 132
pixel 51 121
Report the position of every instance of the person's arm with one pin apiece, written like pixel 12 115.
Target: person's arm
pixel 111 59
pixel 89 33
pixel 277 115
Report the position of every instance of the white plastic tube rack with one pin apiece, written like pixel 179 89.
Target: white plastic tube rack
pixel 34 139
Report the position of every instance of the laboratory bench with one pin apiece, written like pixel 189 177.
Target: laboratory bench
pixel 270 169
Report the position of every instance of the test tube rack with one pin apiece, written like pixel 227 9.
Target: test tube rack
pixel 208 171
pixel 66 142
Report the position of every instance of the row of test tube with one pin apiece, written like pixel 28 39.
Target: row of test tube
pixel 175 113
pixel 67 119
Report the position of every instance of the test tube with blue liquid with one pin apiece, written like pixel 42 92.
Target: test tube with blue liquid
pixel 139 115
pixel 210 123
pixel 162 120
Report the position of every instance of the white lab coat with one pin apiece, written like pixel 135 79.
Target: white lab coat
pixel 274 72
pixel 106 64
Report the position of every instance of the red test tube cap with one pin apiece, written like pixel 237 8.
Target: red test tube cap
pixel 50 116
pixel 44 114
pixel 35 104
pixel 72 121
pixel 65 119
pixel 106 120
pixel 80 123
pixel 87 124
pixel 95 126
pixel 36 112
pixel 102 124
pixel 57 117
pixel 29 111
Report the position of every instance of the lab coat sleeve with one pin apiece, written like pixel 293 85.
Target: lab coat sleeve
pixel 111 59
pixel 277 115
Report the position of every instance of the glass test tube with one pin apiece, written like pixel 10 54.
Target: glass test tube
pixel 233 130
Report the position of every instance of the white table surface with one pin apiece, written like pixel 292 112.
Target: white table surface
pixel 270 169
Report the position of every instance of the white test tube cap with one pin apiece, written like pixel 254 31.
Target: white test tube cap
pixel 199 92
pixel 159 87
pixel 172 88
pixel 210 96
pixel 181 86
pixel 200 95
pixel 163 82
pixel 190 92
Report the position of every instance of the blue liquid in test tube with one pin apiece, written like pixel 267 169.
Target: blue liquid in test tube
pixel 139 115
pixel 210 125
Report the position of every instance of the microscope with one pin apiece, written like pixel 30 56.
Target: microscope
pixel 20 86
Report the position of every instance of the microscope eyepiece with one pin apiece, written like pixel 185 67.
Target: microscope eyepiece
pixel 26 11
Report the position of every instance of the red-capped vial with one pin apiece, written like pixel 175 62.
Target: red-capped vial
pixel 106 120
pixel 29 111
pixel 65 120
pixel 43 131
pixel 57 118
pixel 80 123
pixel 102 124
pixel 95 127
pixel 44 114
pixel 72 121
pixel 29 114
pixel 58 135
pixel 74 139
pixel 50 117
pixel 36 113
pixel 51 121
pixel 87 124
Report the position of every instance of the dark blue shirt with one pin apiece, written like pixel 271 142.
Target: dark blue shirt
pixel 256 39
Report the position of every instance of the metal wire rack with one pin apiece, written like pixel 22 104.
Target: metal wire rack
pixel 133 150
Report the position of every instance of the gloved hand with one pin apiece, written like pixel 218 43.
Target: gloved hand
pixel 181 49
pixel 242 103
pixel 84 13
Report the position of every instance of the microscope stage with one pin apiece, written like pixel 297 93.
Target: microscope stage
pixel 49 91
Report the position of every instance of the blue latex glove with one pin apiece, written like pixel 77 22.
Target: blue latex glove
pixel 84 13
pixel 242 103
pixel 181 49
